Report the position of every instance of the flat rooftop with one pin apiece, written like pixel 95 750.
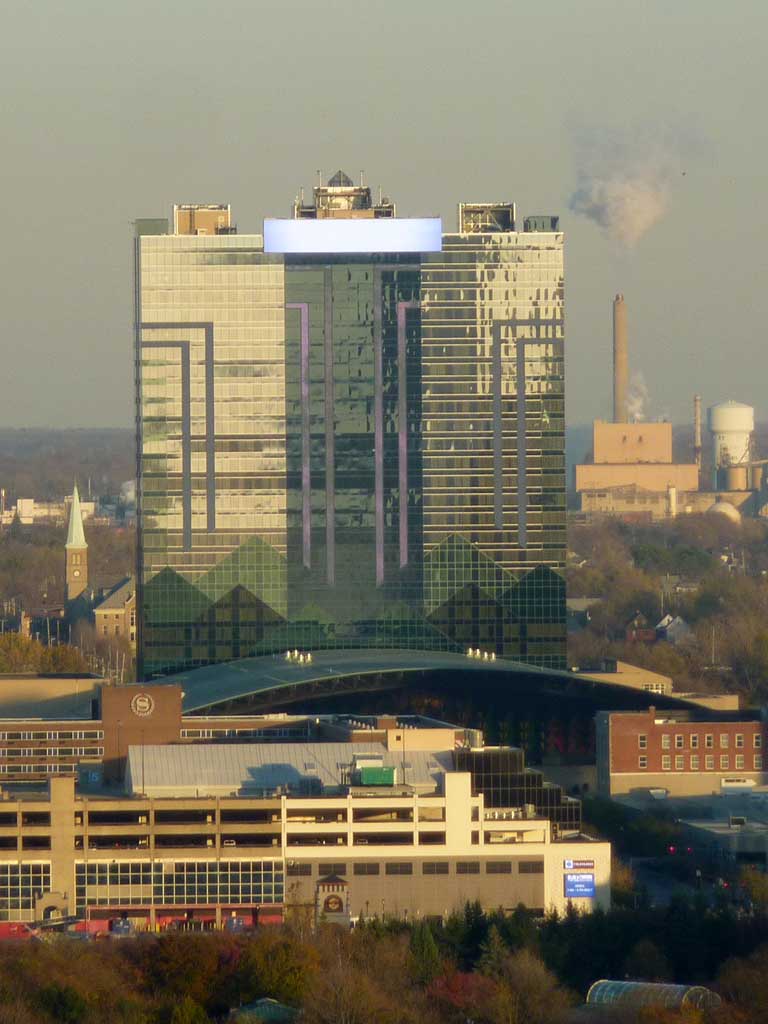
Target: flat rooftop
pixel 248 769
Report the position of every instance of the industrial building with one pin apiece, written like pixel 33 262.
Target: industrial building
pixel 632 472
pixel 678 753
pixel 632 469
pixel 350 433
pixel 392 823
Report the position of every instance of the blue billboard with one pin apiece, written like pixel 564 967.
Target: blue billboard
pixel 579 885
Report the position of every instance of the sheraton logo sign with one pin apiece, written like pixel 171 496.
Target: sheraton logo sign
pixel 142 705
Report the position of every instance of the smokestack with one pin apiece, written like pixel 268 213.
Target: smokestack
pixel 697 430
pixel 620 360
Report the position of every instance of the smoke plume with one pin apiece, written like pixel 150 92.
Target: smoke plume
pixel 128 492
pixel 624 180
pixel 637 398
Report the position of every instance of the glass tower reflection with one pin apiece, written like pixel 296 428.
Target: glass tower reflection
pixel 342 450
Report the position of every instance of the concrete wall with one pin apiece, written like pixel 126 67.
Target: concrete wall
pixel 633 676
pixel 679 783
pixel 649 477
pixel 31 696
pixel 423 894
pixel 632 442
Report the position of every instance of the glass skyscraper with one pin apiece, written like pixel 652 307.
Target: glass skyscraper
pixel 350 433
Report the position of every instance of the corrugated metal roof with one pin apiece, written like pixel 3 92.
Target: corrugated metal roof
pixel 249 767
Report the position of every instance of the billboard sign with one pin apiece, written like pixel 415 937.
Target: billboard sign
pixel 364 235
pixel 579 885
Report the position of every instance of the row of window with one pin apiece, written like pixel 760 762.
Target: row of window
pixel 709 762
pixel 440 867
pixel 12 752
pixel 709 741
pixel 288 733
pixel 67 735
pixel 37 769
pixel 144 873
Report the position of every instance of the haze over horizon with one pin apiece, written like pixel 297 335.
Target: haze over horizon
pixel 635 123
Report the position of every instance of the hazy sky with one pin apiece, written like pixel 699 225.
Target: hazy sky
pixel 114 110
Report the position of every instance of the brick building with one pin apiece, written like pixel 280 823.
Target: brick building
pixel 687 756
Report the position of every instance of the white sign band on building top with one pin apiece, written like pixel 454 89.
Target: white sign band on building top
pixel 363 235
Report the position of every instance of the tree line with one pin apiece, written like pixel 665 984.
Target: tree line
pixel 723 567
pixel 476 967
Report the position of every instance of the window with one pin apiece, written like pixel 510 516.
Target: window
pixel 332 869
pixel 723 761
pixel 468 867
pixel 758 739
pixel 365 869
pixel 531 867
pixel 739 761
pixel 399 868
pixel 723 740
pixel 710 762
pixel 666 763
pixel 666 741
pixel 299 869
pixel 709 740
pixel 694 762
pixel 434 867
pixel 694 741
pixel 498 867
pixel 642 761
pixel 739 740
pixel 642 741
pixel 678 742
pixel 679 763
pixel 758 762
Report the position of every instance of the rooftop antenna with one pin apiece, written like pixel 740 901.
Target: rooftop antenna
pixel 381 196
pixel 319 174
pixel 362 182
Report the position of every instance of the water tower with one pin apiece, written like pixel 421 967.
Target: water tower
pixel 731 425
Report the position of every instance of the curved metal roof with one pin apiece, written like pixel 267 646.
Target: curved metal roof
pixel 649 993
pixel 234 680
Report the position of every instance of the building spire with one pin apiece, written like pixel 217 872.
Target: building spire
pixel 75 534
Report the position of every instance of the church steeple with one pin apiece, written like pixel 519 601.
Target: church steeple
pixel 76 570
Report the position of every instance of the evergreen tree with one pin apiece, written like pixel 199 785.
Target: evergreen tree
pixel 425 957
pixel 493 953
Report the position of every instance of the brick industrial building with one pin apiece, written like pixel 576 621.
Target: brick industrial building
pixel 677 751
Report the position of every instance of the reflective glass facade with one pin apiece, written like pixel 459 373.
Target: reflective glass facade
pixel 493 427
pixel 21 885
pixel 349 451
pixel 169 883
